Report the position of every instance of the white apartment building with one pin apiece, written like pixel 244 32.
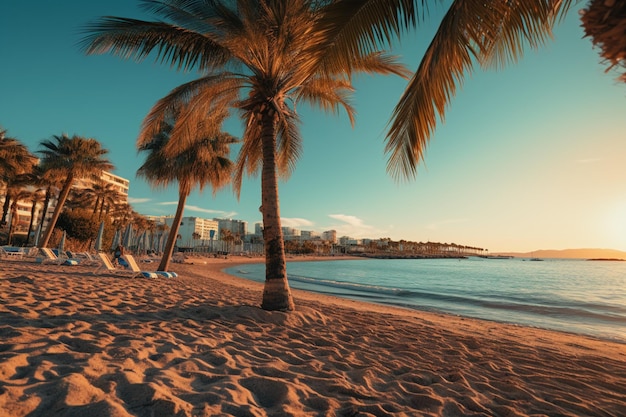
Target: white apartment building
pixel 121 185
pixel 195 231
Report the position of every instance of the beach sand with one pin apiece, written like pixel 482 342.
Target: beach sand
pixel 75 344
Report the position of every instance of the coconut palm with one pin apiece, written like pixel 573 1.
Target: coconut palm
pixel 271 52
pixel 70 158
pixel 205 162
pixel 605 22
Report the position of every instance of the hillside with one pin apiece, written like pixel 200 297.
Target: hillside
pixel 569 254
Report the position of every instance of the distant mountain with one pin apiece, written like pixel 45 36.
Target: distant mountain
pixel 569 254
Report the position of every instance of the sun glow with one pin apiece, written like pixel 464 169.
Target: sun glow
pixel 616 225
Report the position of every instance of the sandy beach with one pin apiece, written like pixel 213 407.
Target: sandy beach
pixel 76 344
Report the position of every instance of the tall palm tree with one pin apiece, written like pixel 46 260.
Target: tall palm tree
pixel 70 158
pixel 605 22
pixel 204 162
pixel 274 54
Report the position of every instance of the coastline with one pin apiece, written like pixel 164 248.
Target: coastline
pixel 76 344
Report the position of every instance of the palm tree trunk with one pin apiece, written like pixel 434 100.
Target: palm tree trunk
pixel 5 207
pixel 276 293
pixel 171 238
pixel 46 204
pixel 32 220
pixel 65 191
pixel 12 222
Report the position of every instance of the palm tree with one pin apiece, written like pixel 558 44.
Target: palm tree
pixel 605 22
pixel 70 158
pixel 275 54
pixel 205 162
pixel 16 162
pixel 22 194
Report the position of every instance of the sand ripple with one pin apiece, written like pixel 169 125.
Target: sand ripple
pixel 74 344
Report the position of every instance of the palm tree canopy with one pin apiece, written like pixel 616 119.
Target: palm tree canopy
pixel 487 33
pixel 15 158
pixel 204 162
pixel 605 22
pixel 253 55
pixel 76 156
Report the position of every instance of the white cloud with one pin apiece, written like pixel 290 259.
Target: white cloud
pixel 295 222
pixel 132 200
pixel 215 213
pixel 354 226
pixel 351 220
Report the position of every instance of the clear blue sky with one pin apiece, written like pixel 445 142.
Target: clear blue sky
pixel 529 157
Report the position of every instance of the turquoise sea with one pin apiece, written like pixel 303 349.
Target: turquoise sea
pixel 577 296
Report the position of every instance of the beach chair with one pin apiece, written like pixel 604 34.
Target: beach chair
pixel 16 254
pixel 49 257
pixel 86 258
pixel 133 266
pixel 131 271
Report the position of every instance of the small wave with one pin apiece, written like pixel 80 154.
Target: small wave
pixel 401 292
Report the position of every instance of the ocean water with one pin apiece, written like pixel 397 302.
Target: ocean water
pixel 577 296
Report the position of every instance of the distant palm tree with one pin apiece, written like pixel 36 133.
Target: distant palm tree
pixel 271 52
pixel 22 194
pixel 205 162
pixel 16 162
pixel 70 159
pixel 605 22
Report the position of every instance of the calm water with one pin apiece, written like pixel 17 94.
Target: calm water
pixel 587 297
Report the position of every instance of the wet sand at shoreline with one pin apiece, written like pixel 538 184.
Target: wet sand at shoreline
pixel 75 344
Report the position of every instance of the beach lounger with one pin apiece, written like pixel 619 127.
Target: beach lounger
pixel 16 254
pixel 49 257
pixel 132 271
pixel 132 265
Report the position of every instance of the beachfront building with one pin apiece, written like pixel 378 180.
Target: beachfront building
pixel 234 227
pixel 194 231
pixel 330 236
pixel 118 184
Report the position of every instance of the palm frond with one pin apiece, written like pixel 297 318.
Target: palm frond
pixel 137 39
pixel 328 94
pixel 356 27
pixel 192 104
pixel 469 32
pixel 289 143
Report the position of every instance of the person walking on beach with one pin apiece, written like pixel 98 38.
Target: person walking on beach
pixel 117 254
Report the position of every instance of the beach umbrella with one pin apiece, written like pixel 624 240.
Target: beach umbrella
pixel 128 236
pixel 164 241
pixel 154 242
pixel 141 241
pixel 116 239
pixel 37 234
pixel 62 243
pixel 98 244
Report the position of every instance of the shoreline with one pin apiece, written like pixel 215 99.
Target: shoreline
pixel 199 345
pixel 401 309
